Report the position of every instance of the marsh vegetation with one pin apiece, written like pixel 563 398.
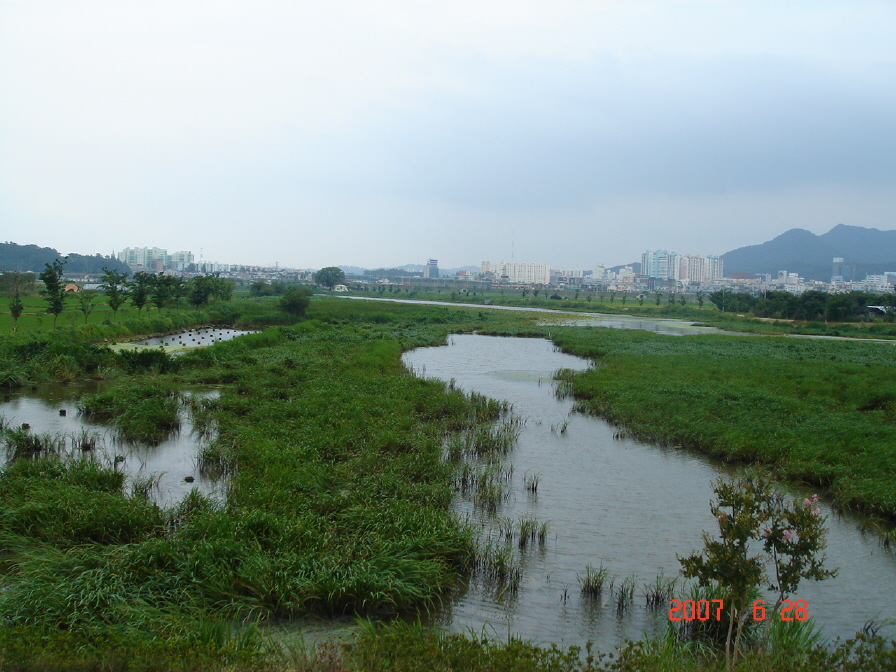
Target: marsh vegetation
pixel 342 469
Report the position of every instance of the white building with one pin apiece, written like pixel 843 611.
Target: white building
pixel 687 268
pixel 431 270
pixel 698 269
pixel 180 261
pixel 143 257
pixel 659 264
pixel 522 273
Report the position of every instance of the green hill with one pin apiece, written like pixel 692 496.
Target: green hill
pixel 14 257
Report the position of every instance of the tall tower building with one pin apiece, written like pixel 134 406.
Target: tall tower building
pixel 431 270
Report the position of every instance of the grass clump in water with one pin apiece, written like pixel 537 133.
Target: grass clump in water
pixel 141 412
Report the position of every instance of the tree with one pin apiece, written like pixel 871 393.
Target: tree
pixel 721 297
pixel 700 299
pixel 295 302
pixel 791 535
pixel 159 291
pixel 115 286
pixel 85 302
pixel 178 289
pixel 201 289
pixel 15 309
pixel 139 288
pixel 329 276
pixel 222 288
pixel 260 288
pixel 54 287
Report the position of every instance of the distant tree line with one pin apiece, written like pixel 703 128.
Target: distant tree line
pixel 811 306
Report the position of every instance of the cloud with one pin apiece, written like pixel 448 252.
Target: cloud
pixel 404 127
pixel 553 134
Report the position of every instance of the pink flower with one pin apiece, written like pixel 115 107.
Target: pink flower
pixel 816 511
pixel 766 532
pixel 806 502
pixel 788 535
pixel 815 499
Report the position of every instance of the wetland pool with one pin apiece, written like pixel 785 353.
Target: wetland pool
pixel 170 463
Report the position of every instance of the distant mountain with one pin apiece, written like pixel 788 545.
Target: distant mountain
pixel 870 251
pixel 24 258
pixel 635 266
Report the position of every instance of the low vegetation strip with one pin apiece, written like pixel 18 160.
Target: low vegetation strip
pixel 819 412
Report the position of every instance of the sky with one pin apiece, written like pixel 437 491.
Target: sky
pixel 386 132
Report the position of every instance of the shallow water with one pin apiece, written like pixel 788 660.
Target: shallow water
pixel 662 326
pixel 630 506
pixel 173 460
pixel 193 338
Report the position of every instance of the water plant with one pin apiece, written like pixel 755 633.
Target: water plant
pixel 658 593
pixel 593 581
pixel 530 483
pixel 624 595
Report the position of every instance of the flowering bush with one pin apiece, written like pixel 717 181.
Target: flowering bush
pixel 792 536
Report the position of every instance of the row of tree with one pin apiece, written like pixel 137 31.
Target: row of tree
pixel 142 290
pixel 149 289
pixel 811 305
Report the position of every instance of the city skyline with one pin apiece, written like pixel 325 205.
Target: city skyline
pixel 361 133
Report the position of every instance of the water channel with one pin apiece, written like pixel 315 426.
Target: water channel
pixel 614 501
pixel 570 318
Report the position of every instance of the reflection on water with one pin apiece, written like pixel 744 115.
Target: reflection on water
pixel 667 327
pixel 613 501
pixel 173 460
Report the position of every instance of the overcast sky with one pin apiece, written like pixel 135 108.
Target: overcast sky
pixel 381 132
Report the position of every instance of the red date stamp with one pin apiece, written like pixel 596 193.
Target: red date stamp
pixel 705 610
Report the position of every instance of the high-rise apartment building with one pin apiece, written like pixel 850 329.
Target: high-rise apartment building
pixel 658 264
pixel 687 268
pixel 527 274
pixel 143 257
pixel 155 259
pixel 431 270
pixel 180 261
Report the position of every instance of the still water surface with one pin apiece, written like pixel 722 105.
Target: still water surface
pixel 616 501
